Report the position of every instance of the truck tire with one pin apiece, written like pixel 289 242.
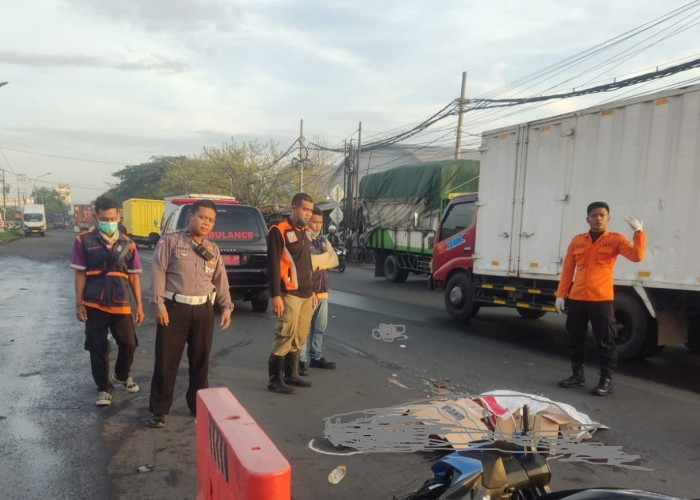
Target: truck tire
pixel 530 313
pixel 459 297
pixel 631 326
pixel 260 301
pixel 392 271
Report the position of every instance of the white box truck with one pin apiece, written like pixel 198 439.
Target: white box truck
pixel 642 157
pixel 33 220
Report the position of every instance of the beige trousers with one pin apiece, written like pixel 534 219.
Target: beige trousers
pixel 292 327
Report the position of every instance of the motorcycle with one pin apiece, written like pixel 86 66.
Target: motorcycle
pixel 505 471
pixel 340 251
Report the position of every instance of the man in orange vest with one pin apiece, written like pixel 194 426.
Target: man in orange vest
pixel 592 256
pixel 289 276
pixel 107 266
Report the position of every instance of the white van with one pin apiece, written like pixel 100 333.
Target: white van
pixel 33 220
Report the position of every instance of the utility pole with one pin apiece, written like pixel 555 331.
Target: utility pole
pixel 357 175
pixel 4 206
pixel 349 193
pixel 458 147
pixel 301 156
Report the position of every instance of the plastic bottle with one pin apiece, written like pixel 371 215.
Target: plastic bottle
pixel 337 474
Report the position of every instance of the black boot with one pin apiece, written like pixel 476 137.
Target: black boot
pixel 578 379
pixel 291 370
pixel 276 368
pixel 604 386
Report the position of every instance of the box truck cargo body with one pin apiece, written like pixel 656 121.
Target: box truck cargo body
pixel 83 217
pixel 142 219
pixel 642 157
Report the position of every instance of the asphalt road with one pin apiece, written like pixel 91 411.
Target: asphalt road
pixel 55 441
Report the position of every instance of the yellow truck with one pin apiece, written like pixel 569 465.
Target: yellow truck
pixel 142 219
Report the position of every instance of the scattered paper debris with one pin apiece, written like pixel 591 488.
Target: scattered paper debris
pixel 144 468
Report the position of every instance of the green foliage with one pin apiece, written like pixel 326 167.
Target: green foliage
pixel 143 180
pixel 251 171
pixel 51 200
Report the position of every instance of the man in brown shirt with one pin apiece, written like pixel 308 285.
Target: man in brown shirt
pixel 188 275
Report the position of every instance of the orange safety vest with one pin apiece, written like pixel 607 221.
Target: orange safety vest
pixel 594 263
pixel 289 274
pixel 106 286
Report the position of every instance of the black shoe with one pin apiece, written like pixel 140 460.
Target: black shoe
pixel 303 370
pixel 291 370
pixel 604 387
pixel 156 420
pixel 276 370
pixel 322 363
pixel 578 379
pixel 572 381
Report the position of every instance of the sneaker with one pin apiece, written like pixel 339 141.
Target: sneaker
pixel 130 385
pixel 322 363
pixel 156 420
pixel 103 399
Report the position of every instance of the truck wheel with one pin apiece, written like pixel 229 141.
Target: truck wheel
pixel 631 326
pixel 260 301
pixel 459 297
pixel 530 313
pixel 393 271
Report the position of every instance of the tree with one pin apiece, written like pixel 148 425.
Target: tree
pixel 143 180
pixel 249 171
pixel 51 199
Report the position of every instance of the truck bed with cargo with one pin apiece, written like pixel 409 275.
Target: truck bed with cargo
pixel 401 209
pixel 642 157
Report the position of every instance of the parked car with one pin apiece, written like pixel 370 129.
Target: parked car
pixel 241 235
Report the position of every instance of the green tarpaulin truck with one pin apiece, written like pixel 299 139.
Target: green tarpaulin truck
pixel 401 209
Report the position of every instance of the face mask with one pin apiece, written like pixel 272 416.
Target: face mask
pixel 107 227
pixel 299 223
pixel 313 233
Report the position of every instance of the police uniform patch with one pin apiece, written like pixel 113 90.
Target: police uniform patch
pixel 291 237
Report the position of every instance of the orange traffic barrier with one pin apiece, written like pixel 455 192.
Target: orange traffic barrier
pixel 235 458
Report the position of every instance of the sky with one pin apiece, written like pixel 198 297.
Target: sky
pixel 95 85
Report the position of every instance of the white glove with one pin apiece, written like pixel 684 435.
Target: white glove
pixel 635 224
pixel 559 304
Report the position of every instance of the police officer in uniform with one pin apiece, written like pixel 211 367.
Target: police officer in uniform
pixel 188 275
pixel 107 265
pixel 289 276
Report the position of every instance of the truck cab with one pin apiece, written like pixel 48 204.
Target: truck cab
pixel 453 251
